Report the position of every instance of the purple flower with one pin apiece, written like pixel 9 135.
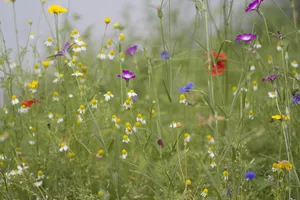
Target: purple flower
pixel 127 75
pixel 254 5
pixel 131 50
pixel 64 51
pixel 134 98
pixel 186 88
pixel 250 175
pixel 270 78
pixel 296 99
pixel 246 37
pixel 164 55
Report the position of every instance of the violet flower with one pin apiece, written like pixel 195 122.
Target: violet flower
pixel 63 52
pixel 254 5
pixel 131 50
pixel 127 75
pixel 246 37
pixel 296 99
pixel 270 78
pixel 186 88
pixel 164 55
pixel 250 175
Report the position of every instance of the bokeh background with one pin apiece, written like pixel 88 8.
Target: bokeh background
pixel 87 16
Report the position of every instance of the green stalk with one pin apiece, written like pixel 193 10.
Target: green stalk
pixel 16 32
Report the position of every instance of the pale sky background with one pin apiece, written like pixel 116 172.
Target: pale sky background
pixel 92 12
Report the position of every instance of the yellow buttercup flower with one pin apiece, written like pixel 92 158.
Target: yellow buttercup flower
pixel 56 9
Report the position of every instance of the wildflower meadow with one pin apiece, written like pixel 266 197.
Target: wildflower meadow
pixel 199 108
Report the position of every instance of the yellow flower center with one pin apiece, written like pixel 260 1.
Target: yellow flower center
pixel 108 93
pixel 118 121
pixel 139 116
pixel 55 94
pixel 233 89
pixel 112 52
pixel 116 25
pixel 138 124
pixel 94 101
pixel 107 20
pixel 125 137
pixel 36 66
pixel 124 152
pixel 62 144
pixel 109 41
pixel 122 36
pixel 208 137
pixel 14 97
pixel 100 152
pixel 81 107
pixel 40 173
pixel 49 39
pixel 254 83
pixel 182 97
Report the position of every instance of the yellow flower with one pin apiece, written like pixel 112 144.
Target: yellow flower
pixel 188 182
pixel 122 36
pixel 107 20
pixel 46 63
pixel 100 193
pixel 116 25
pixel 56 9
pixel 280 117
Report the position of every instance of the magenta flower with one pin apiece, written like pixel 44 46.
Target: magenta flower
pixel 254 5
pixel 131 50
pixel 246 37
pixel 127 75
pixel 271 78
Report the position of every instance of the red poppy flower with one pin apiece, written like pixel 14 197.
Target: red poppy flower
pixel 219 67
pixel 28 103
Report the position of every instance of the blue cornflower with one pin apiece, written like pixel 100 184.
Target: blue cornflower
pixel 164 55
pixel 186 88
pixel 296 99
pixel 250 175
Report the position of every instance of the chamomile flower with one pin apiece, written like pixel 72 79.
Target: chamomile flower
pixel 252 68
pixel 108 43
pixel 210 153
pixel 14 100
pixel 225 175
pixel 100 153
pixel 78 41
pixel 275 167
pixel 204 192
pixel 213 164
pixel 71 156
pixel 83 46
pixel 55 96
pixel 278 46
pixel 94 103
pixel 77 73
pixel 118 123
pixel 38 183
pixel 71 63
pixel 173 125
pixel 272 94
pixel 270 59
pixel 122 37
pixel 75 34
pixel 101 55
pixel 126 139
pixel 128 130
pixel 136 126
pixel 108 96
pixel 294 64
pixel 131 93
pixel 77 48
pixel 124 154
pixel 23 109
pixel 59 118
pixel 247 104
pixel 50 115
pixel 257 45
pixel 33 85
pixel 128 103
pixel 111 54
pixel 114 118
pixel 255 85
pixel 141 119
pixel 81 109
pixel 40 175
pixel 49 42
pixel 107 20
pixel 182 99
pixel 63 147
pixel 188 182
pixel 31 35
pixel 122 57
pixel 210 139
pixel 187 138
pixel 3 157
pixel 234 90
pixel 251 114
